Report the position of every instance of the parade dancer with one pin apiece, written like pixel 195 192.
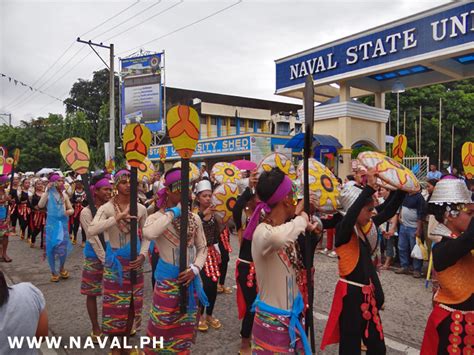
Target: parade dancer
pixel 210 272
pixel 13 204
pixel 450 327
pixel 78 201
pixel 94 254
pixel 4 218
pixel 24 208
pixel 177 330
pixel 122 301
pixel 225 249
pixel 59 209
pixel 38 215
pixel 279 305
pixel 354 316
pixel 245 267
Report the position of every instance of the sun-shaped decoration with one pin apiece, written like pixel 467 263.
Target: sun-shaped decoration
pixel 193 170
pixel 223 199
pixel 323 183
pixel 277 160
pixel 225 172
pixel 390 171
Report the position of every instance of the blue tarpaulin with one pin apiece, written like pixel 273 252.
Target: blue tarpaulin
pixel 297 142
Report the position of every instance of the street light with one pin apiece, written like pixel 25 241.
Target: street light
pixel 397 88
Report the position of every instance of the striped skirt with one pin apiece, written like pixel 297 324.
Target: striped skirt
pixel 178 330
pixel 91 283
pixel 116 299
pixel 270 335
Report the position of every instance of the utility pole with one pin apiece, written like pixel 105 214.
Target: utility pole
pixel 452 146
pixel 419 132
pixel 110 66
pixel 404 122
pixel 439 134
pixel 9 117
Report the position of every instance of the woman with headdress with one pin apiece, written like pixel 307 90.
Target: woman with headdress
pixel 245 267
pixel 24 207
pixel 122 301
pixel 450 327
pixel 354 316
pixel 210 272
pixel 279 305
pixel 94 253
pixel 178 330
pixel 38 215
pixel 58 245
pixel 78 201
pixel 13 204
pixel 4 218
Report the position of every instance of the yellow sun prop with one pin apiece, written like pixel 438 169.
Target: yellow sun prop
pixel 278 160
pixel 390 171
pixel 323 183
pixel 225 172
pixel 224 198
pixel 193 170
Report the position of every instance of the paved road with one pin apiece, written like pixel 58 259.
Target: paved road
pixel 407 306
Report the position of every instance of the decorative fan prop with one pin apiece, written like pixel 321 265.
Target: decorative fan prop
pixel 145 170
pixel 193 170
pixel 467 157
pixel 75 153
pixel 136 143
pixel 277 160
pixel 224 198
pixel 390 171
pixel 323 183
pixel 225 173
pixel 183 129
pixel 399 147
pixel 6 163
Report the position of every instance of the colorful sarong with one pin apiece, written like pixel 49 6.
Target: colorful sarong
pixel 91 283
pixel 277 330
pixel 178 330
pixel 118 292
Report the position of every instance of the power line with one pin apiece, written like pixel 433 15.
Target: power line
pixel 110 18
pixel 44 93
pixel 184 27
pixel 126 20
pixel 146 20
pixel 62 55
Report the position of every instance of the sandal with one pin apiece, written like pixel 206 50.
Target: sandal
pixel 214 323
pixel 54 278
pixel 95 338
pixel 224 289
pixel 5 259
pixel 202 326
pixel 64 274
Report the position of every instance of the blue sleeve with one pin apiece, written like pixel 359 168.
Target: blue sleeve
pixel 420 207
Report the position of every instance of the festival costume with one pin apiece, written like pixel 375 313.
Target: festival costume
pixel 78 201
pixel 37 219
pixel 450 327
pixel 178 330
pixel 225 249
pixel 354 315
pixel 245 270
pixel 58 245
pixel 13 208
pixel 279 305
pixel 118 291
pixel 4 213
pixel 24 211
pixel 94 258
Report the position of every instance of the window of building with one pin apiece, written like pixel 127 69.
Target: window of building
pixel 203 130
pixel 298 128
pixel 283 128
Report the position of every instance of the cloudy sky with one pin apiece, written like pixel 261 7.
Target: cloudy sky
pixel 232 52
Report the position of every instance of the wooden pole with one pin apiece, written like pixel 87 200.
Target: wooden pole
pixel 452 146
pixel 404 122
pixel 133 221
pixel 439 135
pixel 417 151
pixel 419 131
pixel 183 237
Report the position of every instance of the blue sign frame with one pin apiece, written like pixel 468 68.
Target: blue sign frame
pixel 410 39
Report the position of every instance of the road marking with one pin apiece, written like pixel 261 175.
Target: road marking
pixel 393 344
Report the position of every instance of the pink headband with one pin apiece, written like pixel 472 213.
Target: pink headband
pixel 280 193
pixel 170 178
pixel 104 182
pixel 54 178
pixel 119 174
